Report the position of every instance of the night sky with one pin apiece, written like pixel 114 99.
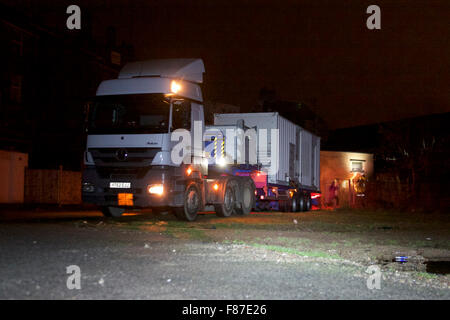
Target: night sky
pixel 318 52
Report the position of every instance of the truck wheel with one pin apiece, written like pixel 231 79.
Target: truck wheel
pixel 226 208
pixel 248 198
pixel 115 212
pixel 192 204
pixel 294 204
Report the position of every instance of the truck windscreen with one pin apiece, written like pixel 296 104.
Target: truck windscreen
pixel 134 113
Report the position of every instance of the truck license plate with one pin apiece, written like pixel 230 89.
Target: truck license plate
pixel 125 199
pixel 120 185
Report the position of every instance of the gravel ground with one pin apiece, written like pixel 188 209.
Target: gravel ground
pixel 124 263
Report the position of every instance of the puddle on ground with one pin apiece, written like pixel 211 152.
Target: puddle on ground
pixel 430 266
pixel 438 267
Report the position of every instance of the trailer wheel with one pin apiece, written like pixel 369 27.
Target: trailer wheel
pixel 301 203
pixel 225 209
pixel 115 212
pixel 192 204
pixel 248 198
pixel 308 202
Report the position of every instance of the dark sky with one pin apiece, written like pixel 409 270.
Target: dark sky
pixel 319 52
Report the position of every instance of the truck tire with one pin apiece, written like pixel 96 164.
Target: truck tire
pixel 301 203
pixel 115 212
pixel 294 204
pixel 248 198
pixel 225 209
pixel 307 202
pixel 192 204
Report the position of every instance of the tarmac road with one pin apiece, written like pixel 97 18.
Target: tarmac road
pixel 120 263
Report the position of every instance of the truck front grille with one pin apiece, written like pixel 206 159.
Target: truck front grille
pixel 122 174
pixel 123 157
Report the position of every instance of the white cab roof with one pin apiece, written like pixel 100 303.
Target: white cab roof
pixel 186 69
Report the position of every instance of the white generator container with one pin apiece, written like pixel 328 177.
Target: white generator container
pixel 298 150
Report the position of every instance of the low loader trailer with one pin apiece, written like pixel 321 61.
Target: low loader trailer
pixel 148 147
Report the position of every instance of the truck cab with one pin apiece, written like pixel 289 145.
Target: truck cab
pixel 127 161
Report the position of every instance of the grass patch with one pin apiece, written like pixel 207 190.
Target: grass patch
pixel 187 233
pixel 238 226
pixel 177 224
pixel 290 241
pixel 334 244
pixel 431 244
pixel 272 226
pixel 352 242
pixel 426 275
pixel 315 254
pixel 391 242
pixel 229 225
pixel 196 234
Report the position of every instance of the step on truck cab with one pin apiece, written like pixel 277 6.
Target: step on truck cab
pixel 148 147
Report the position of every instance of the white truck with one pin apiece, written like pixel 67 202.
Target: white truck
pixel 143 122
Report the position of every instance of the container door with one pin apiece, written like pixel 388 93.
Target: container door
pixel 292 159
pixel 305 158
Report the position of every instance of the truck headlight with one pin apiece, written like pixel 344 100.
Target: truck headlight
pixel 157 189
pixel 175 86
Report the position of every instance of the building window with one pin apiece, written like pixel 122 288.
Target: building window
pixel 357 166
